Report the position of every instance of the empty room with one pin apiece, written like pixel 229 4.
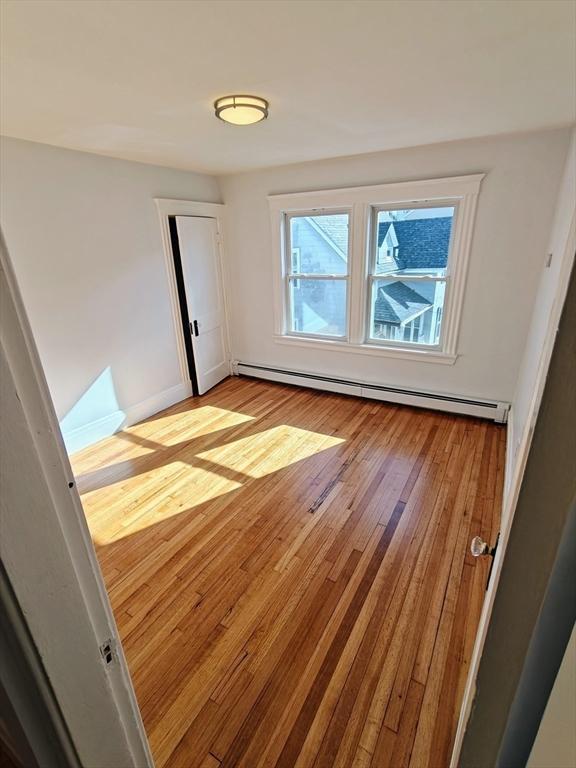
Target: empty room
pixel 288 425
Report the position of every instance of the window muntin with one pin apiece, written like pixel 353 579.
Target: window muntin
pixel 409 274
pixel 317 273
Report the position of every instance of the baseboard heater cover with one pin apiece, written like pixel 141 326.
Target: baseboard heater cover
pixel 487 409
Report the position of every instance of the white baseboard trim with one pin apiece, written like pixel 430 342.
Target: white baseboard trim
pixel 88 434
pixel 156 403
pixel 486 409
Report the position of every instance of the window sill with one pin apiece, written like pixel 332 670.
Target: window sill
pixel 414 355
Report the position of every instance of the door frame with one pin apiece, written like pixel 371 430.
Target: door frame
pixel 514 474
pixel 166 208
pixel 57 557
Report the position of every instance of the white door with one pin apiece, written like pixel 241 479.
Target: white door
pixel 199 252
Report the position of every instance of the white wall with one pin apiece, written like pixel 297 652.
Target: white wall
pixel 84 237
pixel 515 212
pixel 552 284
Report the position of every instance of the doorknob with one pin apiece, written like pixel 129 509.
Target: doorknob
pixel 479 547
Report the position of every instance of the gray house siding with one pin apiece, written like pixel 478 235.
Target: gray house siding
pixel 318 306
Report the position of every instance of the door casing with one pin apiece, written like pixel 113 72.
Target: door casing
pixel 167 208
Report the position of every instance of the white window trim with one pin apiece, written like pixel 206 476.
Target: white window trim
pixel 459 190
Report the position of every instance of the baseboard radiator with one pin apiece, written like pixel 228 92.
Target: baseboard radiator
pixel 486 409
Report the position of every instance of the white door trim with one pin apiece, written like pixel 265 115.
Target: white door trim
pixel 512 484
pixel 167 207
pixel 67 632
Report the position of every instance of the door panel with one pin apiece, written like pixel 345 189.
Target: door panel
pixel 199 253
pixel 546 471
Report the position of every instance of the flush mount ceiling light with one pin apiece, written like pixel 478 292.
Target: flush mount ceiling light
pixel 241 110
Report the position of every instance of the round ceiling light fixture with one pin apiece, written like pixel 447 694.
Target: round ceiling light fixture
pixel 241 110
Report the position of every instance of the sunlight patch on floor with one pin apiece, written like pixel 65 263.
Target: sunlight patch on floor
pixel 199 479
pixel 178 427
pixel 154 434
pixel 191 487
pixel 276 448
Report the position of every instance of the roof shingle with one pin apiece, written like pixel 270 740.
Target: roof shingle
pixel 335 227
pixel 422 243
pixel 397 302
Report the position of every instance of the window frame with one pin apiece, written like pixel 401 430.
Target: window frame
pixel 372 262
pixel 461 192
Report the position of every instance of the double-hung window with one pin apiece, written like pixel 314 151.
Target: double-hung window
pixel 375 270
pixel 316 273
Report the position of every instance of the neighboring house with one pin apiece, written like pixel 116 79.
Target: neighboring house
pixel 405 311
pixel 402 310
pixel 401 313
pixel 420 244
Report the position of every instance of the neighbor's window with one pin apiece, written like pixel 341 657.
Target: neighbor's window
pixel 317 273
pixel 408 274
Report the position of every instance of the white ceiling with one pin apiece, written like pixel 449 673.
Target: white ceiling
pixel 136 78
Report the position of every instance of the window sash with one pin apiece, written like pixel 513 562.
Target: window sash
pixel 316 212
pixel 408 278
pixel 376 209
pixel 314 276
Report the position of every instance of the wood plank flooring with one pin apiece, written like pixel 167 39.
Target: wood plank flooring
pixel 290 574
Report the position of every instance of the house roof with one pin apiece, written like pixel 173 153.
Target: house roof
pixel 335 227
pixel 422 243
pixel 396 303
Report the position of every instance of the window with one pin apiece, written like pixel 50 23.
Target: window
pixel 375 270
pixel 407 287
pixel 317 274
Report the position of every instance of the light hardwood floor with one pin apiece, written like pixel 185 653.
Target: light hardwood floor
pixel 290 574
